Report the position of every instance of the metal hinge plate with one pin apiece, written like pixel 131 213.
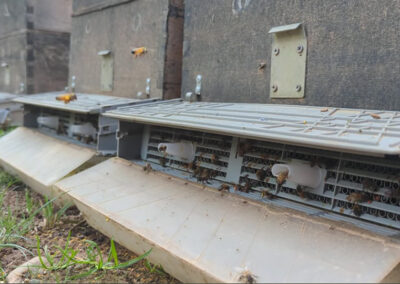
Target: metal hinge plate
pixel 288 61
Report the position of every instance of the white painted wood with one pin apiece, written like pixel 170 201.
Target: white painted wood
pixel 40 160
pixel 201 235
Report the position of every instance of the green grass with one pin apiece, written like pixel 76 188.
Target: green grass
pixel 7 130
pixel 51 214
pixel 94 261
pixel 7 180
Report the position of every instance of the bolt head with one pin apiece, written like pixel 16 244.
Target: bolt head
pixel 298 88
pixel 274 88
pixel 299 49
pixel 276 51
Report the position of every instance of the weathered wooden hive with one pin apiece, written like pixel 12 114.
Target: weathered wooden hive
pixel 34 45
pixel 105 34
pixel 10 112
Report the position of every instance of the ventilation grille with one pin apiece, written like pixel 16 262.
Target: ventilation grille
pixel 66 119
pixel 212 152
pixel 365 188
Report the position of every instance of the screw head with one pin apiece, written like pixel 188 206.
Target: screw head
pixel 299 49
pixel 276 51
pixel 298 88
pixel 274 88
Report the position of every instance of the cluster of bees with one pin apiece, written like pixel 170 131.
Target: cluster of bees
pixel 369 186
pixel 203 174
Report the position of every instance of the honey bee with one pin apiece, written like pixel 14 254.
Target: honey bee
pixel 369 185
pixel 246 187
pixel 300 192
pixel 224 187
pixel 356 197
pixel 204 175
pixel 191 166
pixel 147 168
pixel 267 194
pixel 197 172
pixel 61 129
pixel 163 161
pixel 139 51
pixel 357 210
pixel 214 158
pixel 262 173
pixel 281 178
pixel 243 148
pixel 87 139
pixel 247 277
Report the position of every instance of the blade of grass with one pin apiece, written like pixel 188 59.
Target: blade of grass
pixel 39 253
pixel 133 261
pixel 113 253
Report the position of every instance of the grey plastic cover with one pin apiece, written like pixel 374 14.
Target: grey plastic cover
pixel 6 97
pixel 85 103
pixel 351 130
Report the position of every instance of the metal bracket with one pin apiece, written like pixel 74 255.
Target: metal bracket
pixel 148 81
pixel 288 61
pixel 146 94
pixel 197 91
pixel 72 87
pixel 196 96
pixel 107 70
pixel 21 88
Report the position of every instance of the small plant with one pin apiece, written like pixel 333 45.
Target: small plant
pixel 53 262
pixel 51 215
pixel 94 260
pixel 152 268
pixel 7 180
pixel 12 229
pixel 28 202
pixel 7 130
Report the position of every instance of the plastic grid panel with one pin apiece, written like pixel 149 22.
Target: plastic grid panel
pixel 66 119
pixel 356 186
pixel 211 158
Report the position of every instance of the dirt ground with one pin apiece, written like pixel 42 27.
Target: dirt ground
pixel 72 221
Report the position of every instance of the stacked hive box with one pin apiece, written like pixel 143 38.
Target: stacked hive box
pixel 352 54
pixel 34 45
pixel 103 36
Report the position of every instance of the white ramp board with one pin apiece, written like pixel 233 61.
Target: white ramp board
pixel 201 235
pixel 40 160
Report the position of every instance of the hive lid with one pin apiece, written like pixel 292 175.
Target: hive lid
pixel 85 103
pixel 6 97
pixel 41 161
pixel 351 130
